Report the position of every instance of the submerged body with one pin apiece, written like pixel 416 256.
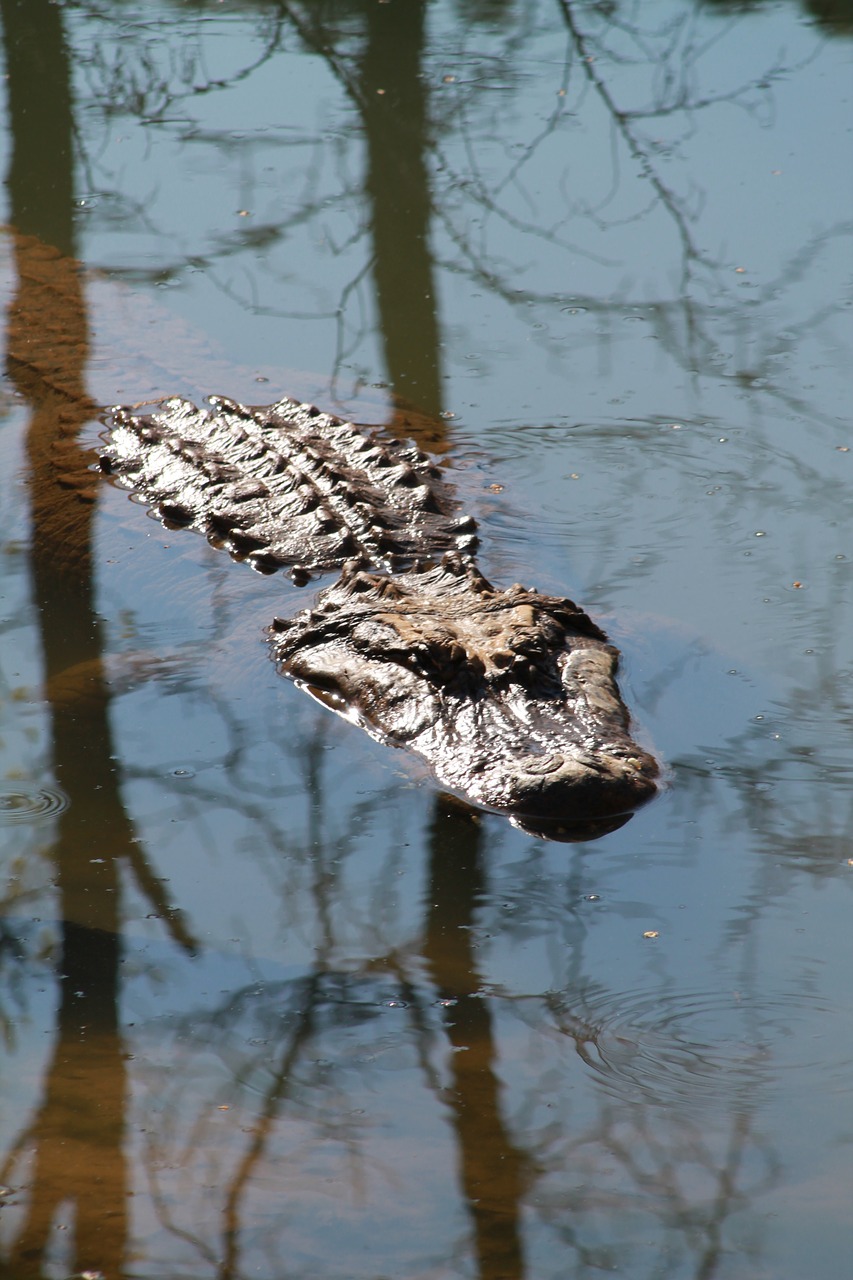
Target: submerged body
pixel 510 696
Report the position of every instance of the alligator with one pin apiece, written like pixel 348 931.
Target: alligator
pixel 509 695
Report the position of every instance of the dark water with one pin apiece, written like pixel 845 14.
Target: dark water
pixel 270 1004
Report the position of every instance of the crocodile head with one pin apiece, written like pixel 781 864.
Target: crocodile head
pixel 509 696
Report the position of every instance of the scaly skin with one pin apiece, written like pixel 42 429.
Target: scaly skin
pixel 286 486
pixel 509 696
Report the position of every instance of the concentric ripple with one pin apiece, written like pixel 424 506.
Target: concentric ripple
pixel 705 1046
pixel 18 804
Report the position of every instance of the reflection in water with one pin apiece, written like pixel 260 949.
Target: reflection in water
pixel 261 1104
pixel 71 1152
pixel 572 832
pixel 835 15
pixel 397 187
pixel 17 805
pixel 595 1120
pixel 491 1167
pixel 679 1048
pixel 389 90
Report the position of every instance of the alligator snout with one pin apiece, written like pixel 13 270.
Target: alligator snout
pixel 545 740
pixel 510 696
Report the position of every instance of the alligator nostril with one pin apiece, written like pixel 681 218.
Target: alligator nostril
pixel 509 695
pixel 542 764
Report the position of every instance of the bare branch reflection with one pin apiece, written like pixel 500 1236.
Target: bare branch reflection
pixel 71 1151
pixel 421 181
pixel 360 1077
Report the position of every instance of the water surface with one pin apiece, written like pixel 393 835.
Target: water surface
pixel 273 1005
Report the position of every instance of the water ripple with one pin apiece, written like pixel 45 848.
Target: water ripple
pixel 19 804
pixel 706 1046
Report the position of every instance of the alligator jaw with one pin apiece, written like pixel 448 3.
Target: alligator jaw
pixel 509 696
